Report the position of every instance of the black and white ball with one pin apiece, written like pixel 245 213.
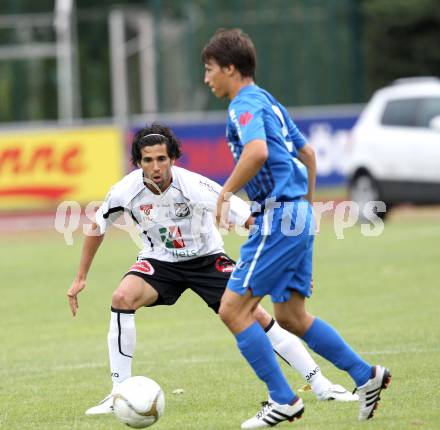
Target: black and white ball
pixel 138 402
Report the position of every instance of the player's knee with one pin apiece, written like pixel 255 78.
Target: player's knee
pixel 291 324
pixel 296 325
pixel 262 316
pixel 227 313
pixel 122 300
pixel 224 313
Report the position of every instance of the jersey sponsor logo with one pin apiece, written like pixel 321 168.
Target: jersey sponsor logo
pixel 185 253
pixel 181 209
pixel 172 237
pixel 224 264
pixel 245 118
pixel 142 266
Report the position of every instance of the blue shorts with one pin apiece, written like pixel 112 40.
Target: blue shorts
pixel 277 258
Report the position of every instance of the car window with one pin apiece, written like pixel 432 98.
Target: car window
pixel 401 112
pixel 429 108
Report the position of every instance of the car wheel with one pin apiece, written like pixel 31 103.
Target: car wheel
pixel 364 189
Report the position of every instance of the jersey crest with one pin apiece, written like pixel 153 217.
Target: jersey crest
pixel 147 209
pixel 181 210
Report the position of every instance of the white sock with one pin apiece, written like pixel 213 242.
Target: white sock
pixel 293 352
pixel 121 340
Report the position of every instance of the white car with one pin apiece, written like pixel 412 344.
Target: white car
pixel 394 155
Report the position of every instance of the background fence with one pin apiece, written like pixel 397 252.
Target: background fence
pixel 309 53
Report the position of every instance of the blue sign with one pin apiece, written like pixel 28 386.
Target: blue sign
pixel 205 150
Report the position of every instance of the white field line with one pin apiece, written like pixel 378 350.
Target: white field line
pixel 401 351
pixel 193 360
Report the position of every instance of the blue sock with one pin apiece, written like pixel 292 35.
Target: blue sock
pixel 257 349
pixel 327 342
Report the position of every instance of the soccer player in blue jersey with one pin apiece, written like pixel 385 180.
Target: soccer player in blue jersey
pixel 277 168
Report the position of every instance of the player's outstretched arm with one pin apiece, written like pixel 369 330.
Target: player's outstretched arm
pixel 91 244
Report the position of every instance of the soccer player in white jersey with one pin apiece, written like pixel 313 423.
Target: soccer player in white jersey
pixel 172 208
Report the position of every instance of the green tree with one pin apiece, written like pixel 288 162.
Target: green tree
pixel 401 39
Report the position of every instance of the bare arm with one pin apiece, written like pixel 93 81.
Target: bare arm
pixel 91 244
pixel 249 222
pixel 251 161
pixel 307 156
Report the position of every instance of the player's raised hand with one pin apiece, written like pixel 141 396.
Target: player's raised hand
pixel 77 286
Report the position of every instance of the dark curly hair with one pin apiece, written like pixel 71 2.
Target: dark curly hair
pixel 155 134
pixel 232 46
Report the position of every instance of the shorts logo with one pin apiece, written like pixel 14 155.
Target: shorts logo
pixel 224 265
pixel 181 209
pixel 245 118
pixel 172 237
pixel 143 266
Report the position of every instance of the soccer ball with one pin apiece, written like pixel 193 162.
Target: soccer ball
pixel 138 402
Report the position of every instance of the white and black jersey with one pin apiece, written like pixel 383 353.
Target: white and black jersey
pixel 176 225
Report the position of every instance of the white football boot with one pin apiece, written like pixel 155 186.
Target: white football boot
pixel 105 406
pixel 369 393
pixel 337 392
pixel 273 413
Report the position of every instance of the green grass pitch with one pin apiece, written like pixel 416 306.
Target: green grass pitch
pixel 382 293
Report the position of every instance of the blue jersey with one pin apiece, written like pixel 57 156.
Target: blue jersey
pixel 255 114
